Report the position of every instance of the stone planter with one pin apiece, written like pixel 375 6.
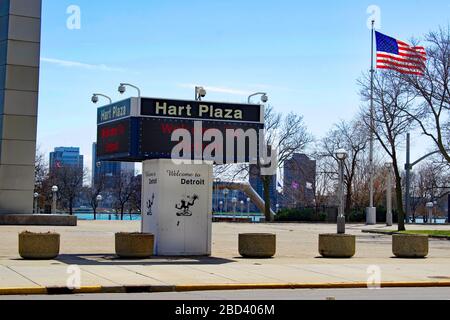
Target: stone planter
pixel 134 245
pixel 410 246
pixel 257 245
pixel 39 246
pixel 337 245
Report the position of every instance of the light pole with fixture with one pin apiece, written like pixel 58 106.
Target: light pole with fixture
pixel 123 88
pixel 248 207
pixel 54 192
pixel 98 199
pixel 341 155
pixel 234 201
pixel 225 193
pixel 430 206
pixel 264 97
pixel 389 218
pixel 200 93
pixel 36 197
pixel 435 203
pixel 95 99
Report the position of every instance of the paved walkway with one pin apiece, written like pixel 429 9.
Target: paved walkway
pixel 90 246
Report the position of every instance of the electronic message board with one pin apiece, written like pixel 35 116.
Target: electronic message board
pixel 156 139
pixel 139 129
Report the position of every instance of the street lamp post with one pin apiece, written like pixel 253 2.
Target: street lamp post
pixel 95 99
pixel 234 201
pixel 430 206
pixel 216 188
pixel 221 205
pixel 248 207
pixel 98 200
pixel 278 208
pixel 341 155
pixel 225 193
pixel 54 192
pixel 435 203
pixel 36 197
pixel 264 97
pixel 389 217
pixel 242 208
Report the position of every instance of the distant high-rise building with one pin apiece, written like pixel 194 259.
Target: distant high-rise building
pixel 257 185
pixel 66 157
pixel 109 169
pixel 299 181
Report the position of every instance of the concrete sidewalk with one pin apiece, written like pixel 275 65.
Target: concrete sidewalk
pixel 90 247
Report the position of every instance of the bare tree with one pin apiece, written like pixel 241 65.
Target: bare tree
pixel 433 90
pixel 351 136
pixel 135 200
pixel 287 135
pixel 122 192
pixel 69 180
pixel 94 191
pixel 392 104
pixel 326 176
pixel 40 171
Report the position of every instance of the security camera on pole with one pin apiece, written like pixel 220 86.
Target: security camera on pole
pixel 95 99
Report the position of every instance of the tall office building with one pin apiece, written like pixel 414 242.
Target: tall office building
pixel 257 185
pixel 66 157
pixel 299 181
pixel 109 169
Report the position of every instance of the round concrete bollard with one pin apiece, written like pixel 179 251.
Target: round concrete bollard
pixel 410 246
pixel 257 245
pixel 337 245
pixel 134 245
pixel 39 246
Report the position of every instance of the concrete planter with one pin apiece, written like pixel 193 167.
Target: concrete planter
pixel 337 245
pixel 134 245
pixel 39 246
pixel 410 246
pixel 257 245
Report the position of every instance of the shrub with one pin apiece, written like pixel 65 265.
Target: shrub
pixel 300 215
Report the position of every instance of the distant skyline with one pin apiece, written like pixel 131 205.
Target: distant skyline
pixel 306 55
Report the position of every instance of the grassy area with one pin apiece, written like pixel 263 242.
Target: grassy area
pixel 440 233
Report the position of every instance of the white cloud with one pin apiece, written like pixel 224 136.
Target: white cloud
pixel 76 64
pixel 218 89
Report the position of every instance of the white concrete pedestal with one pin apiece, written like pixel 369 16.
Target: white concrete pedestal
pixel 177 207
pixel 371 216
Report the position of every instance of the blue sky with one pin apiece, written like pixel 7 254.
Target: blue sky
pixel 306 54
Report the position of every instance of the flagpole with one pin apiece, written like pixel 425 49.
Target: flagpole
pixel 371 215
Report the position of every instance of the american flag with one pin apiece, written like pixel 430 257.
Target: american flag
pixel 397 55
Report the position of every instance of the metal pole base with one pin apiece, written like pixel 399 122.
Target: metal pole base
pixel 371 216
pixel 389 219
pixel 340 225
